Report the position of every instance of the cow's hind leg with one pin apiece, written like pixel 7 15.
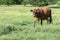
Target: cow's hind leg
pixel 51 19
pixel 47 22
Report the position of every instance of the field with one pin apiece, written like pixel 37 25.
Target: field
pixel 16 23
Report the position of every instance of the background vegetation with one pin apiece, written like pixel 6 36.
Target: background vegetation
pixel 31 2
pixel 16 23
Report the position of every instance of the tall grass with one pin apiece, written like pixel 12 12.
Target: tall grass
pixel 16 23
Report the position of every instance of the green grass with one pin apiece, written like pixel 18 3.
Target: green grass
pixel 54 6
pixel 16 23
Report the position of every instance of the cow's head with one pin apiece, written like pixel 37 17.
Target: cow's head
pixel 35 11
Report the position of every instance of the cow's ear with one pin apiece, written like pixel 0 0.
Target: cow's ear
pixel 31 10
pixel 38 10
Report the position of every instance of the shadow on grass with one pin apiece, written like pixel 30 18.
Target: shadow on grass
pixel 24 23
pixel 7 30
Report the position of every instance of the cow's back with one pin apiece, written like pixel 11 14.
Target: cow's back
pixel 44 13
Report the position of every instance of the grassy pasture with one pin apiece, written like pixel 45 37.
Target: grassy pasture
pixel 16 23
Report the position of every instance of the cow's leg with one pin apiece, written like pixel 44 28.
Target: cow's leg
pixel 50 17
pixel 47 21
pixel 35 19
pixel 38 19
pixel 41 22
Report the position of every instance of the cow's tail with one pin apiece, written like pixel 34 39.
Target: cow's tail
pixel 50 17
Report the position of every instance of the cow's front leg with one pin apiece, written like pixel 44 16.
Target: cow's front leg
pixel 35 20
pixel 41 22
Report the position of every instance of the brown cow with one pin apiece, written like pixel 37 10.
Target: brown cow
pixel 42 14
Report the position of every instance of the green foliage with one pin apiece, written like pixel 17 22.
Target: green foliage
pixel 39 2
pixel 18 1
pixel 2 1
pixel 58 2
pixel 25 2
pixel 9 2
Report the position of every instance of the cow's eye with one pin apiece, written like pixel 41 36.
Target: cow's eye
pixel 37 10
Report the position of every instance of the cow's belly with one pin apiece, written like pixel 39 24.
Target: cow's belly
pixel 43 18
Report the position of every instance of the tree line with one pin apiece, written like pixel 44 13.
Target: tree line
pixel 25 2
